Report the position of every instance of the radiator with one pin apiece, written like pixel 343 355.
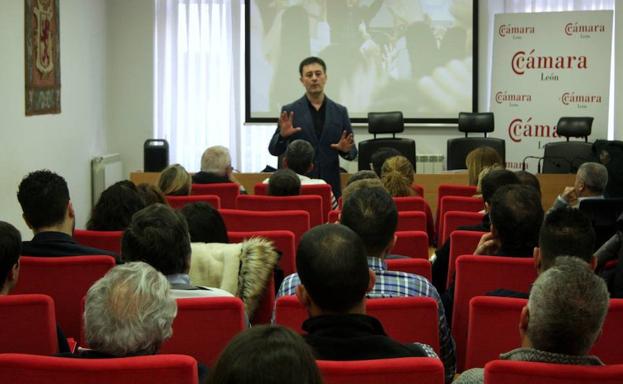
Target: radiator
pixel 431 163
pixel 105 171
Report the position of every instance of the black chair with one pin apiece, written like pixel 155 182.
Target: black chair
pixel 459 148
pixel 567 156
pixel 603 214
pixel 385 122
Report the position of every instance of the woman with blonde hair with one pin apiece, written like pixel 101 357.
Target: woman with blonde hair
pixel 480 158
pixel 397 175
pixel 175 181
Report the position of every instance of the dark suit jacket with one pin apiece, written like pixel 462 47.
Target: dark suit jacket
pixel 326 161
pixel 54 244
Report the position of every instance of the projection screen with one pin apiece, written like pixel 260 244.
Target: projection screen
pixel 415 56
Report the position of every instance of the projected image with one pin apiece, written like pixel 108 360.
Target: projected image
pixel 408 55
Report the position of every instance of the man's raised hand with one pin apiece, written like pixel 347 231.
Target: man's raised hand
pixel 345 144
pixel 285 125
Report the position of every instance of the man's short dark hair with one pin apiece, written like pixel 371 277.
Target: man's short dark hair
pixel 284 182
pixel 332 265
pixel 380 155
pixel 158 235
pixel 312 60
pixel 516 215
pixel 299 156
pixel 205 224
pixel 372 214
pixel 494 180
pixel 44 197
pixel 527 178
pixel 10 250
pixel 566 231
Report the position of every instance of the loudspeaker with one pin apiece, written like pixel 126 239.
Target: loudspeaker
pixel 155 155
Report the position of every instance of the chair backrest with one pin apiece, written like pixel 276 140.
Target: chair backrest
pixel 310 203
pixel 322 190
pixel 521 372
pixel 458 149
pixel 66 280
pixel 244 221
pixel 566 156
pixel 334 216
pixel 461 243
pixel 106 240
pixel 28 325
pixel 420 267
pixel 178 202
pixel 418 189
pixel 156 369
pixel 493 328
pixel 608 345
pixel 458 203
pixel 264 311
pixel 204 326
pixel 482 122
pixel 411 243
pixel 410 203
pixel 397 314
pixel 283 241
pixel 404 370
pixel 577 126
pixel 226 191
pixel 451 190
pixel 477 275
pixel 411 221
pixel 454 219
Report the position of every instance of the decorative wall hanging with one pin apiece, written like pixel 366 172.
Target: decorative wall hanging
pixel 43 63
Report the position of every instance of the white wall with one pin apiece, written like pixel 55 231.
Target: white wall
pixel 64 143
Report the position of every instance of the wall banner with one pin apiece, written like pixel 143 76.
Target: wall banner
pixel 545 66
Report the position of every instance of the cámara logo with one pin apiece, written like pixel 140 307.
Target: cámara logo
pixel 522 61
pixel 503 96
pixel 573 28
pixel 518 129
pixel 571 98
pixel 509 29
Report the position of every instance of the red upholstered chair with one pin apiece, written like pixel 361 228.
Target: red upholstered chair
pixel 454 219
pixel 416 203
pixel 106 240
pixel 404 370
pixel 461 243
pixel 226 191
pixel 282 240
pixel 28 325
pixel 322 190
pixel 204 326
pixel 411 221
pixel 66 280
pixel 451 190
pixel 157 369
pixel 411 243
pixel 522 372
pixel 419 190
pixel 310 203
pixel 608 345
pixel 178 202
pixel 238 220
pixel 493 328
pixel 477 275
pixel 420 267
pixel 397 314
pixel 264 312
pixel 458 203
pixel 334 216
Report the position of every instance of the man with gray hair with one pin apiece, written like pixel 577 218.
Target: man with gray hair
pixel 590 183
pixel 216 167
pixel 564 316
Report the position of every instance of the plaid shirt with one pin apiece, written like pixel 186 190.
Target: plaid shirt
pixel 398 284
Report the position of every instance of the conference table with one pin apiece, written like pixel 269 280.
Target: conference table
pixel 551 184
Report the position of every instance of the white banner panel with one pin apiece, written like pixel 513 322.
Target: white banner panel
pixel 545 66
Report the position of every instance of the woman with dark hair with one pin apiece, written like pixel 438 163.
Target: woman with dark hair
pixel 115 207
pixel 266 355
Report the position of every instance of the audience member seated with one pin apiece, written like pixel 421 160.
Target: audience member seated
pixel 49 213
pixel 379 157
pixel 485 171
pixel 361 175
pixel 266 355
pixel 299 158
pixel 565 312
pixel 371 213
pixel 590 183
pixel 397 176
pixel 480 158
pixel 115 207
pixel 242 269
pixel 564 232
pixel 527 178
pixel 151 194
pixel 613 250
pixel 338 328
pixel 158 235
pixel 490 183
pixel 174 181
pixel 284 182
pixel 216 168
